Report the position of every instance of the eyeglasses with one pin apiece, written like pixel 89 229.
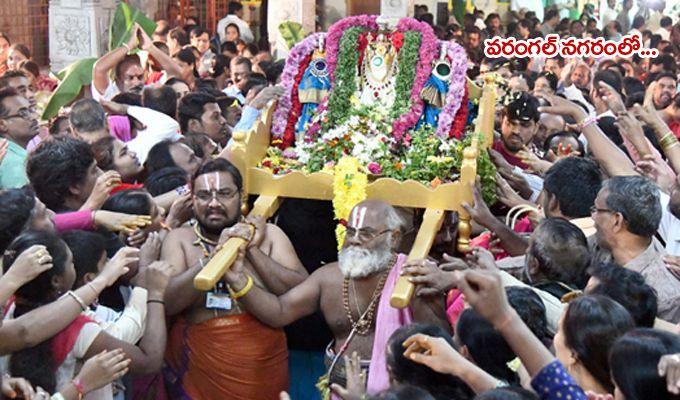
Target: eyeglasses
pixel 362 234
pixel 594 209
pixel 24 113
pixel 221 195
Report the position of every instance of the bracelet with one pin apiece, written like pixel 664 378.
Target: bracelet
pixel 587 122
pixel 245 290
pixel 79 387
pixel 127 46
pixel 155 301
pixel 668 140
pixel 77 299
pixel 165 226
pixel 96 293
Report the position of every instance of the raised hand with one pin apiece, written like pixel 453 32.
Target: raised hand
pixel 612 98
pixel 535 163
pixel 13 388
pixel 181 210
pixel 116 222
pixel 356 380
pixel 102 369
pixel 102 188
pixel 649 167
pixel 564 107
pixel 146 40
pixel 481 259
pixel 28 265
pixel 157 278
pixel 119 265
pixel 479 211
pixel 435 353
pixel 430 279
pixel 150 250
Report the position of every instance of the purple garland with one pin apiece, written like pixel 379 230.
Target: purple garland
pixel 336 31
pixel 428 49
pixel 458 58
pixel 297 54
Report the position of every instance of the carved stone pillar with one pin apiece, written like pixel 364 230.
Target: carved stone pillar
pixel 300 11
pixel 78 29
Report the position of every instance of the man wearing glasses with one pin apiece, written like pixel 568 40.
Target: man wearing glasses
pixel 18 125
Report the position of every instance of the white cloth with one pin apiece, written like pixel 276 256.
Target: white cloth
pixel 530 5
pixel 243 27
pixel 127 326
pixel 110 92
pixel 564 12
pixel 233 91
pixel 669 228
pixel 535 182
pixel 664 33
pixel 159 127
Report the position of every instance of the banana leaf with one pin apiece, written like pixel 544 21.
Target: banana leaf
pixel 292 33
pixel 72 78
pixel 79 73
pixel 123 22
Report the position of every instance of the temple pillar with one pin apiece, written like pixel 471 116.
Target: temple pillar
pixel 300 11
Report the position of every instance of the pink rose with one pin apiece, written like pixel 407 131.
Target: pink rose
pixel 375 168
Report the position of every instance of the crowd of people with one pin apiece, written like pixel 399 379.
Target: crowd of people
pixel 571 289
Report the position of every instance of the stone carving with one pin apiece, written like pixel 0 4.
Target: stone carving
pixel 72 35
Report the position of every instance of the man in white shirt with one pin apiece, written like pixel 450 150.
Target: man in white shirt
pixel 234 16
pixel 666 27
pixel 607 13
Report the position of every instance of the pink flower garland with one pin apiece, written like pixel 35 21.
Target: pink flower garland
pixel 428 49
pixel 336 31
pixel 458 58
pixel 296 56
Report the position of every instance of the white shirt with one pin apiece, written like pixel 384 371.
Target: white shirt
pixel 243 27
pixel 669 228
pixel 664 33
pixel 159 127
pixel 530 5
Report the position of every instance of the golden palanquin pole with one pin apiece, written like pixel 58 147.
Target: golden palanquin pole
pixel 249 148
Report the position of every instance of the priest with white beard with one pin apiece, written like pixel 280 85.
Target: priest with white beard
pixel 353 295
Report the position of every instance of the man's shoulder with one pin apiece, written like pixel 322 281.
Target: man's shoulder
pixel 180 234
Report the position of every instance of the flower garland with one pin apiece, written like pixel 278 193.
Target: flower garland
pixel 336 32
pixel 428 49
pixel 408 57
pixel 457 90
pixel 296 107
pixel 460 121
pixel 349 189
pixel 344 81
pixel 296 57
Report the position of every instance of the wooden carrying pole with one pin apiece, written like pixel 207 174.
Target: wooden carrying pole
pixel 432 220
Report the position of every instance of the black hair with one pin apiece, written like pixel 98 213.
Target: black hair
pixel 198 31
pixel 551 78
pixel 233 25
pixel 187 55
pixel 634 360
pixel 5 78
pixel 180 36
pixel 129 59
pixel 87 249
pixel 162 99
pixel 507 393
pixel 591 324
pixel 132 201
pixel 87 116
pixel 575 182
pixel 221 165
pixel 629 289
pixel 173 80
pixel 527 78
pixel 524 107
pixel 404 392
pixel 274 71
pixel 243 60
pixel 666 22
pixel 196 141
pixel 36 363
pixel 4 94
pixel 548 141
pixel 159 157
pixel 632 85
pixel 252 48
pixel 531 310
pixel 230 47
pixel 254 80
pixel 31 67
pixel 55 166
pixel 667 61
pixel 54 124
pixel 406 371
pixel 222 64
pixel 16 208
pixel 611 78
pixel 486 346
pixel 103 153
pixel 165 180
pixel 234 7
pixel 191 107
pixel 660 75
pixel 638 21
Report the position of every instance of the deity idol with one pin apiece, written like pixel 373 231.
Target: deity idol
pixel 378 72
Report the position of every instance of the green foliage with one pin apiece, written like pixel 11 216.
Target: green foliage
pixel 408 61
pixel 486 170
pixel 123 23
pixel 292 33
pixel 345 85
pixel 72 78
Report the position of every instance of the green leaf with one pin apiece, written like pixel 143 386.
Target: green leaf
pixel 123 23
pixel 72 79
pixel 292 33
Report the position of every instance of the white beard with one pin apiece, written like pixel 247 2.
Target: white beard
pixel 356 262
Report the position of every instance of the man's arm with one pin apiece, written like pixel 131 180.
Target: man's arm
pixel 100 71
pixel 171 67
pixel 282 269
pixel 181 291
pixel 280 311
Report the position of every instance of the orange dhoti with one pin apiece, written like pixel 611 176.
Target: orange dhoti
pixel 232 357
